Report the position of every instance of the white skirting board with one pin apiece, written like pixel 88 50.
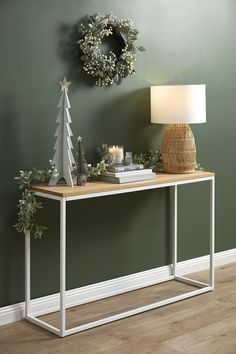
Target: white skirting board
pixel 50 303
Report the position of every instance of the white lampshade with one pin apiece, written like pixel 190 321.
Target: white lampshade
pixel 178 104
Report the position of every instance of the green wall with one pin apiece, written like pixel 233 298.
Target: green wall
pixel 187 42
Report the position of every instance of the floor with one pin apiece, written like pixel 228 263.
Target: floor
pixel 204 324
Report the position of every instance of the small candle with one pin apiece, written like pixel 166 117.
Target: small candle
pixel 128 158
pixel 117 153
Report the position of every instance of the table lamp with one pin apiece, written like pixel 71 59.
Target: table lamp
pixel 177 106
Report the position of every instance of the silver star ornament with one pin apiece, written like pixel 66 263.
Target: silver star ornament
pixel 64 85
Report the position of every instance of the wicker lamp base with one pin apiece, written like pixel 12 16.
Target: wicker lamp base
pixel 178 149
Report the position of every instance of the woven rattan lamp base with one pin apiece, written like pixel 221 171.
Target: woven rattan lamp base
pixel 178 149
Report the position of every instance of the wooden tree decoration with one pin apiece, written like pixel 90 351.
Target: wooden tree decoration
pixel 63 158
pixel 82 168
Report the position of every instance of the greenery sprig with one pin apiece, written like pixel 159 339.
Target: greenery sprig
pixel 107 69
pixel 28 204
pixel 94 171
pixel 151 159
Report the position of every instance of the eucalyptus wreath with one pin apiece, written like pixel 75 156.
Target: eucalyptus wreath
pixel 108 68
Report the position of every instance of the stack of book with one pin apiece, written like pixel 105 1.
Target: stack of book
pixel 126 173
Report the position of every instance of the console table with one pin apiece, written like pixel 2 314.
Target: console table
pixel 65 194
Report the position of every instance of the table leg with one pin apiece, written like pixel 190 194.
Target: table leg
pixel 27 273
pixel 62 266
pixel 173 228
pixel 212 232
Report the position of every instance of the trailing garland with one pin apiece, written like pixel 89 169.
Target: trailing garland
pixel 108 68
pixel 28 204
pixel 151 159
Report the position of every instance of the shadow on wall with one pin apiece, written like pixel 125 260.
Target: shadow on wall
pixel 70 52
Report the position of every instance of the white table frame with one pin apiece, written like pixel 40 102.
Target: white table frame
pixel 200 287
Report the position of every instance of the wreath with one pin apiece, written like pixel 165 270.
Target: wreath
pixel 111 67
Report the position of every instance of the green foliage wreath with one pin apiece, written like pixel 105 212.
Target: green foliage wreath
pixel 108 68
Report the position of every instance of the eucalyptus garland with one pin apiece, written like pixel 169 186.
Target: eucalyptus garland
pixel 151 159
pixel 28 205
pixel 107 69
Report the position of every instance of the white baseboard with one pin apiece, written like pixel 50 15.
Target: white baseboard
pixel 50 303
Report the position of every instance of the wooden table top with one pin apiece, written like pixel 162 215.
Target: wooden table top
pixel 94 187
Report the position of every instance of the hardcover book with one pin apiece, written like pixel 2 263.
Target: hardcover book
pixel 126 178
pixel 122 168
pixel 128 173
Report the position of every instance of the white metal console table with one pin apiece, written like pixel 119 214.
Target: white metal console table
pixel 65 194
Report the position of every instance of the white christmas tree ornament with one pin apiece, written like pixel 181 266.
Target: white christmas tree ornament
pixel 63 158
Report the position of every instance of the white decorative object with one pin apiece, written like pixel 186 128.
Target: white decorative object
pixel 117 153
pixel 178 104
pixel 63 157
pixel 128 158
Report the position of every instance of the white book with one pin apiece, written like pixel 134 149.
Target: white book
pixel 128 173
pixel 127 179
pixel 123 168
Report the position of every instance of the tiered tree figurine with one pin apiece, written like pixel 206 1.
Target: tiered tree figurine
pixel 63 159
pixel 82 168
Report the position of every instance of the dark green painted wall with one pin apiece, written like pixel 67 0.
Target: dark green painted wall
pixel 186 41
